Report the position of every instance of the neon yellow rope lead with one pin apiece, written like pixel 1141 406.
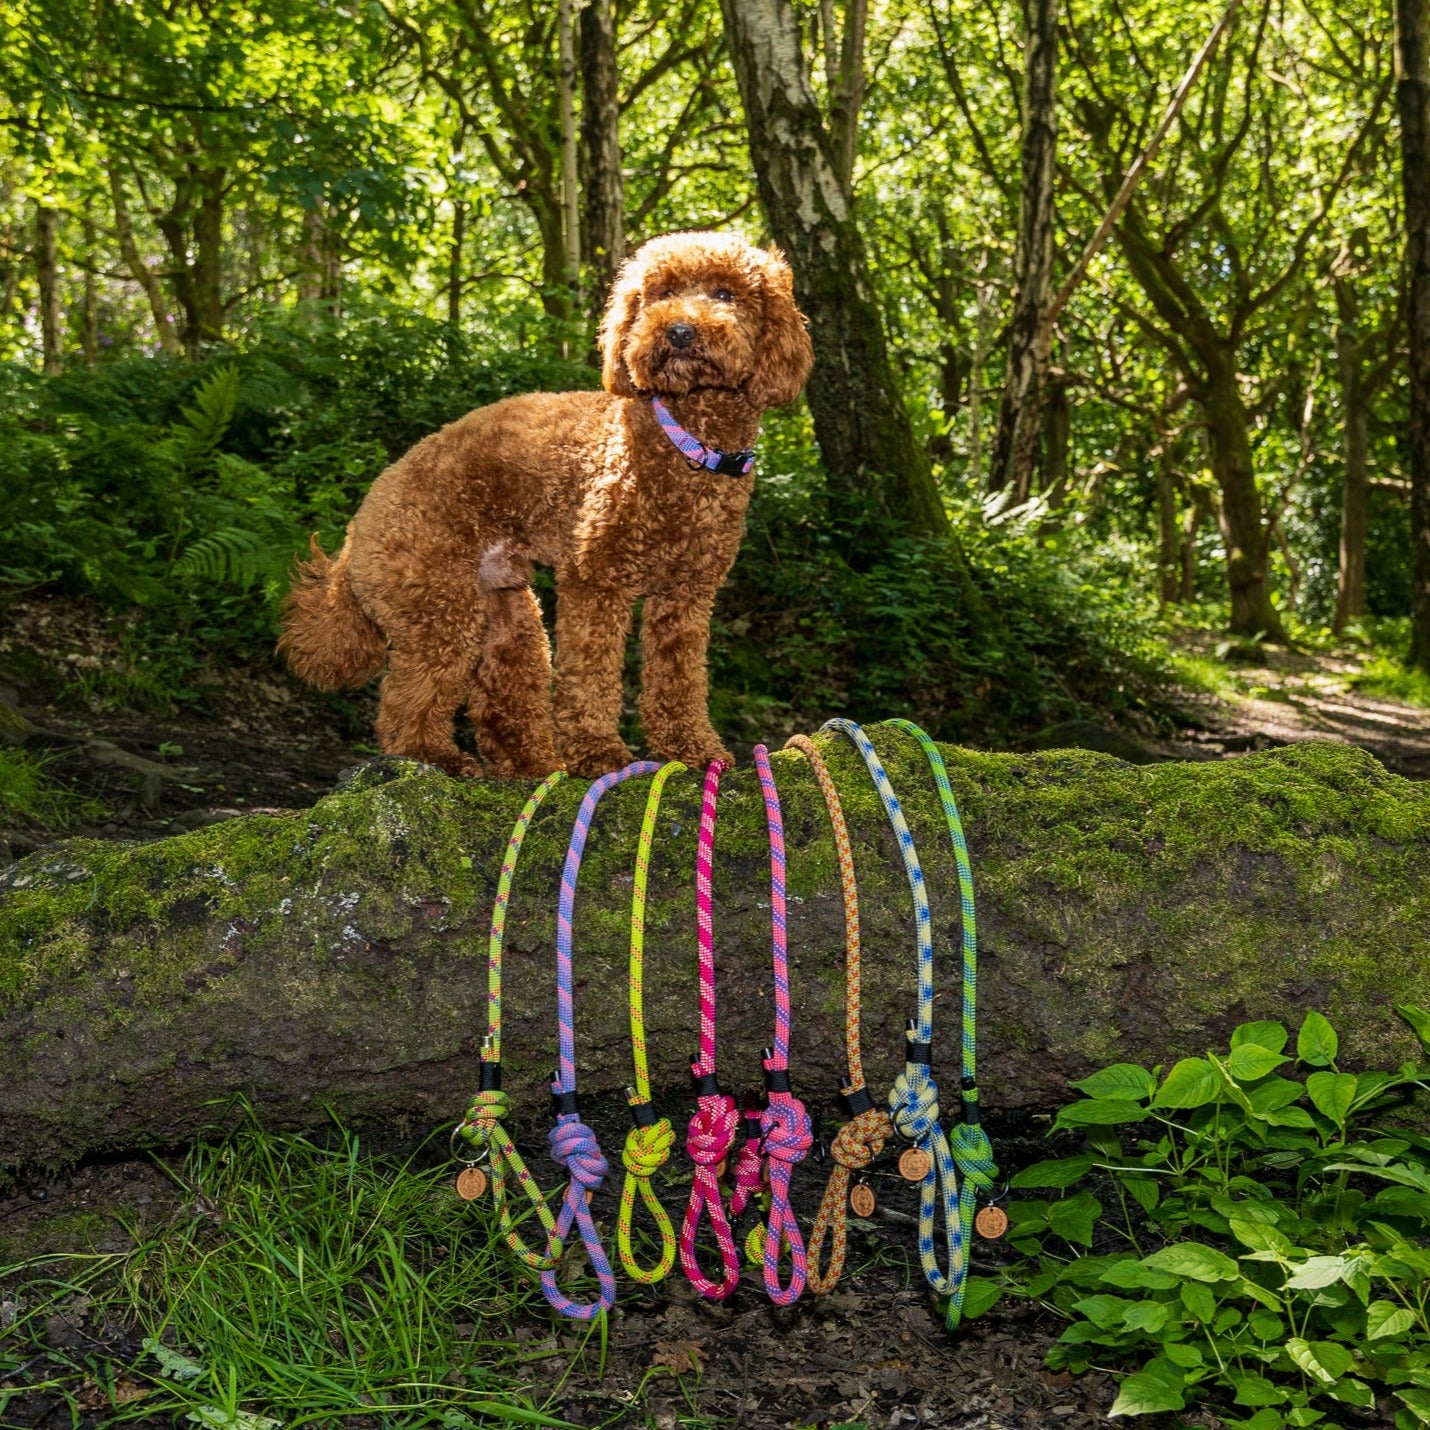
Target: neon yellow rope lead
pixel 649 1142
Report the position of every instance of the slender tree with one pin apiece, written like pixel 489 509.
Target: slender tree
pixel 47 278
pixel 604 209
pixel 877 473
pixel 1412 73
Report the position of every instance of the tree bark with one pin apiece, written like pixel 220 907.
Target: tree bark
pixel 1412 69
pixel 566 113
pixel 1015 442
pixel 208 256
pixel 143 274
pixel 47 277
pixel 1355 486
pixel 454 263
pixel 604 212
pixel 335 958
pixel 879 478
pixel 1167 553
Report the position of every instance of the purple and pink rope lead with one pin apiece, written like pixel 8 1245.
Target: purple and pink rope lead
pixel 573 1144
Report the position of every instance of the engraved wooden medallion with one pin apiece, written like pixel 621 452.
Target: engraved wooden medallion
pixel 861 1200
pixel 914 1164
pixel 991 1222
pixel 471 1183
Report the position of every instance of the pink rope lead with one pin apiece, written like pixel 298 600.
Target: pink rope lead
pixel 785 1125
pixel 712 1129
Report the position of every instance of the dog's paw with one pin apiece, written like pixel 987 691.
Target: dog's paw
pixel 702 756
pixel 591 759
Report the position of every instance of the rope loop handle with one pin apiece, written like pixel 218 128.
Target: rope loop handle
pixel 483 1128
pixel 712 1128
pixel 649 1142
pixel 863 1138
pixel 573 1144
pixel 786 1131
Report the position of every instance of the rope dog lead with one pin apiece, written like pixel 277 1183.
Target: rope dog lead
pixel 862 1138
pixel 483 1127
pixel 573 1144
pixel 972 1151
pixel 648 1143
pixel 913 1099
pixel 785 1133
pixel 712 1129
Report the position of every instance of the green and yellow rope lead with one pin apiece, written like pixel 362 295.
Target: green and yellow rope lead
pixel 649 1142
pixel 483 1126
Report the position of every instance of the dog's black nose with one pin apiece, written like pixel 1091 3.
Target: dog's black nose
pixel 680 335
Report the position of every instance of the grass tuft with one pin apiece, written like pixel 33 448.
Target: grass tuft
pixel 27 793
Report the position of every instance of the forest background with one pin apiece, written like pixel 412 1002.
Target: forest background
pixel 249 254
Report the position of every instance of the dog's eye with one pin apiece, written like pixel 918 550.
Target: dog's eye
pixel 667 292
pixel 724 295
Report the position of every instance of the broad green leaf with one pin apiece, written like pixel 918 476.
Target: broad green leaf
pixel 1100 1112
pixel 1419 1020
pixel 1256 1390
pixel 1143 1190
pixel 1193 1082
pixel 1259 1236
pixel 1350 1391
pixel 1192 1260
pixel 1332 1094
pixel 1266 1325
pixel 1055 1174
pixel 1323 1361
pixel 1149 1316
pixel 1073 1218
pixel 1133 1275
pixel 1105 1312
pixel 1316 1043
pixel 1180 1353
pixel 175 1366
pixel 980 1294
pixel 1199 1301
pixel 1143 1394
pixel 1289 1117
pixel 1417 1402
pixel 1274 1094
pixel 1251 1061
pixel 213 1417
pixel 1317 1271
pixel 1121 1080
pixel 1264 1034
pixel 1384 1318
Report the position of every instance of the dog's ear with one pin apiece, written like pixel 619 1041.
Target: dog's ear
pixel 786 355
pixel 621 311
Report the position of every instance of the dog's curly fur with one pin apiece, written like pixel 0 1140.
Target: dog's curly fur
pixel 434 577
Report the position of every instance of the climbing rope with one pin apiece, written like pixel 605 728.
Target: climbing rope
pixel 863 1137
pixel 972 1151
pixel 913 1099
pixel 785 1133
pixel 648 1143
pixel 573 1144
pixel 711 1130
pixel 484 1125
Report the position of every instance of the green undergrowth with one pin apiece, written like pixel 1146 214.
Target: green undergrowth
pixel 299 1282
pixel 1245 1232
pixel 29 795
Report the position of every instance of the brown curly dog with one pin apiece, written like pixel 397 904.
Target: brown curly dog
pixel 700 337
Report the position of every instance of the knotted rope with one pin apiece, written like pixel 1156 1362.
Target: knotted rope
pixel 712 1129
pixel 573 1144
pixel 913 1099
pixel 972 1151
pixel 483 1127
pixel 785 1132
pixel 648 1143
pixel 862 1138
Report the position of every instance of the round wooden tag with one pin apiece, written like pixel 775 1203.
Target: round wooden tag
pixel 720 1168
pixel 991 1222
pixel 861 1200
pixel 471 1183
pixel 914 1164
pixel 590 1196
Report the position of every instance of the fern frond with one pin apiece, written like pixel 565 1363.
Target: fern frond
pixel 231 556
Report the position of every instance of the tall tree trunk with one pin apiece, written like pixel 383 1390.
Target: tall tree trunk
pixel 878 476
pixel 566 104
pixel 1244 528
pixel 982 324
pixel 208 255
pixel 1412 67
pixel 1355 489
pixel 454 263
pixel 47 277
pixel 143 274
pixel 1167 552
pixel 1015 445
pixel 604 212
pixel 89 311
pixel 847 82
pixel 1191 525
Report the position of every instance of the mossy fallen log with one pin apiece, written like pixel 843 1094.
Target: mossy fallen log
pixel 335 958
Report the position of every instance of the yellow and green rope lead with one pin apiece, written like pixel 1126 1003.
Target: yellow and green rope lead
pixel 650 1141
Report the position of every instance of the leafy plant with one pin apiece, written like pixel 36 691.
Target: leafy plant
pixel 1240 1235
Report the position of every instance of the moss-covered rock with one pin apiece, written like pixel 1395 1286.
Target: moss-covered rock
pixel 336 957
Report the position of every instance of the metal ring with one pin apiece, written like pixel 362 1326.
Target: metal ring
pixel 471 1160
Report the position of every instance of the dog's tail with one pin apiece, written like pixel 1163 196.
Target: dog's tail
pixel 328 639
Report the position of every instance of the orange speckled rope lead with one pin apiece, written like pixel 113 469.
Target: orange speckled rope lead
pixel 863 1137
